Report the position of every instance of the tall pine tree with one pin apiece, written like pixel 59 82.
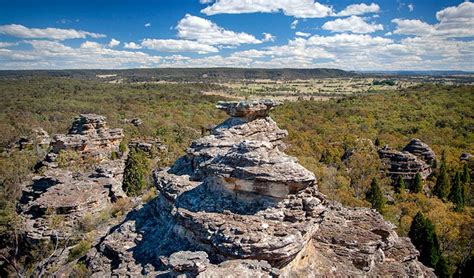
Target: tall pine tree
pixel 400 185
pixel 417 184
pixel 457 193
pixel 423 236
pixel 441 188
pixel 375 196
pixel 466 176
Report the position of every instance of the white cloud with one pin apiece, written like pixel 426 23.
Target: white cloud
pixel 55 55
pixel 411 7
pixel 267 37
pixel 20 31
pixel 412 27
pixel 132 45
pixel 302 34
pixel 148 24
pixel 352 24
pixel 114 43
pixel 294 24
pixel 7 44
pixel 456 21
pixel 206 1
pixel 359 9
pixel 91 45
pixel 170 45
pixel 207 32
pixel 296 8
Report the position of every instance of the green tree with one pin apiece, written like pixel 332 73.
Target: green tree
pixel 423 236
pixel 375 196
pixel 441 188
pixel 417 183
pixel 457 193
pixel 442 269
pixel 466 176
pixel 400 185
pixel 137 168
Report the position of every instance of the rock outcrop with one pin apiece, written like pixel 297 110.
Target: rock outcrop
pixel 237 206
pixel 416 157
pixel 421 150
pixel 78 178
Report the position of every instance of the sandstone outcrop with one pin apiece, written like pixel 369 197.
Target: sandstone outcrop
pixel 237 206
pixel 416 157
pixel 78 178
pixel 421 150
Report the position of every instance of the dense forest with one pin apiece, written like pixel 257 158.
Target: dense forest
pixel 320 133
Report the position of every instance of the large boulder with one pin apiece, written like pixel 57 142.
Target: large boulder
pixel 235 205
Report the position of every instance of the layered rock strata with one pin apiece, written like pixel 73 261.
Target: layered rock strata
pixel 416 157
pixel 68 189
pixel 237 206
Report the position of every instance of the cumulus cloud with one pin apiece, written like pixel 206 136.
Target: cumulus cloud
pixel 411 7
pixel 302 34
pixel 20 31
pixel 294 23
pixel 207 32
pixel 296 8
pixel 456 21
pixel 53 54
pixel 114 43
pixel 359 9
pixel 147 24
pixel 171 45
pixel 132 45
pixel 7 44
pixel 267 37
pixel 354 24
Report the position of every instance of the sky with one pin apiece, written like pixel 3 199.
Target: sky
pixel 348 34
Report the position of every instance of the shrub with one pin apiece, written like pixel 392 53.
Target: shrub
pixel 137 168
pixel 375 196
pixel 79 250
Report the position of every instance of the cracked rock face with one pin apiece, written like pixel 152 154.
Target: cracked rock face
pixel 237 206
pixel 54 201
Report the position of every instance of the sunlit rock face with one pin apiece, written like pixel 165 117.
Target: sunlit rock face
pixel 421 150
pixel 78 177
pixel 240 207
pixel 90 136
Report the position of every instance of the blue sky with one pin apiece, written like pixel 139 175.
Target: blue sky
pixel 352 35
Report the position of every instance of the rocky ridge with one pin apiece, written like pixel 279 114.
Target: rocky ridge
pixel 237 205
pixel 65 191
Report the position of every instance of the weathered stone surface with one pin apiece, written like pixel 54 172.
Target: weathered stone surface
pixel 403 164
pixel 465 157
pixel 237 200
pixel 90 136
pixel 248 109
pixel 421 150
pixel 54 201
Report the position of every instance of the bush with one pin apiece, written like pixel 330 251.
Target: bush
pixel 79 250
pixel 136 174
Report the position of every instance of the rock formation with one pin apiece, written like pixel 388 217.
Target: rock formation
pixel 237 206
pixel 78 178
pixel 421 150
pixel 416 157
